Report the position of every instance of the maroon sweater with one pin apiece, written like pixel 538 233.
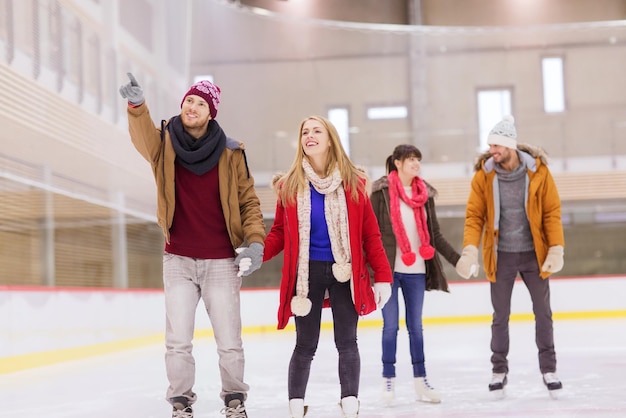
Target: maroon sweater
pixel 199 227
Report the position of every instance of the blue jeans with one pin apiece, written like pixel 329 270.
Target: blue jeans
pixel 413 288
pixel 345 320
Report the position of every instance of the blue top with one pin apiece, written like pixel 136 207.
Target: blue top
pixel 319 248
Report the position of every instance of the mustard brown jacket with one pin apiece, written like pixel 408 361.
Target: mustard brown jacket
pixel 240 203
pixel 543 208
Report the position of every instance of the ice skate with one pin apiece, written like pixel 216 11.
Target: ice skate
pixel 180 408
pixel 389 390
pixel 425 392
pixel 497 384
pixel 350 407
pixel 234 406
pixel 297 408
pixel 553 384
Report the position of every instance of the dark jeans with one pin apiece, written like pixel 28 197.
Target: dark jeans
pixel 345 319
pixel 509 264
pixel 413 288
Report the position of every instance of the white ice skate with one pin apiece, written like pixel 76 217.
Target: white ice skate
pixel 297 408
pixel 350 407
pixel 497 385
pixel 553 384
pixel 389 390
pixel 425 392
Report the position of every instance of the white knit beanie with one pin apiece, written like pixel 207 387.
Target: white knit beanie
pixel 504 133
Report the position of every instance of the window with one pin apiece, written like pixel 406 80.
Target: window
pixel 93 70
pixel 553 86
pixel 340 118
pixel 6 32
pixel 492 106
pixel 387 112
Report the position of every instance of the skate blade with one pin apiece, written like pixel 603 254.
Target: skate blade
pixel 554 394
pixel 498 394
pixel 426 399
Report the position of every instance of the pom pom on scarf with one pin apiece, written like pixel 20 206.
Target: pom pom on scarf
pixel 342 272
pixel 409 258
pixel 300 305
pixel 427 252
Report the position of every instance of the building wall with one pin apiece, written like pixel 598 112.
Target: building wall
pixel 436 72
pixel 505 13
pixel 77 201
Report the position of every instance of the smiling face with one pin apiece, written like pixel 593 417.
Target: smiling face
pixel 408 168
pixel 195 115
pixel 315 141
pixel 506 157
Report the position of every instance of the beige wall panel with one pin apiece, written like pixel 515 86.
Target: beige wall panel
pixel 274 98
pixel 595 76
pixel 524 12
pixel 590 85
pixel 373 11
pixel 282 94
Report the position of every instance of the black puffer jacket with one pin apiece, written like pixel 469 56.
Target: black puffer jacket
pixel 435 278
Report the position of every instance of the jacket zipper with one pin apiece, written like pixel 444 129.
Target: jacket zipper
pixel 163 174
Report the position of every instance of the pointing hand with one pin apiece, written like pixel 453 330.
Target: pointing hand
pixel 132 91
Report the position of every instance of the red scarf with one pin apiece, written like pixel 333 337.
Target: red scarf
pixel 416 202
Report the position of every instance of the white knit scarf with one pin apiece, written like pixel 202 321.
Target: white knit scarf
pixel 336 213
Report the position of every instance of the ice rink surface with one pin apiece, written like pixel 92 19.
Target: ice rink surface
pixel 591 358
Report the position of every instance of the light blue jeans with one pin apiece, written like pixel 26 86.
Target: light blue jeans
pixel 413 287
pixel 186 281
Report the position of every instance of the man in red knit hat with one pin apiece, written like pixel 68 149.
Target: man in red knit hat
pixel 207 208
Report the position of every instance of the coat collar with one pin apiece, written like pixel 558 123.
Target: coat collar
pixel 383 183
pixel 532 156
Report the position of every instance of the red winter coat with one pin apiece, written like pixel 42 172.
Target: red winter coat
pixel 365 246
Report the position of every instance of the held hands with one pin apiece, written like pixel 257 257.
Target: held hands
pixel 382 293
pixel 132 91
pixel 467 265
pixel 249 258
pixel 554 259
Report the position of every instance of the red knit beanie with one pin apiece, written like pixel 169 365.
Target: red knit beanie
pixel 208 91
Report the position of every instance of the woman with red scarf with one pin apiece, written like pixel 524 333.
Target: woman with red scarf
pixel 405 208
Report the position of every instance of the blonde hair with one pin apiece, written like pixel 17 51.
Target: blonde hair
pixel 355 180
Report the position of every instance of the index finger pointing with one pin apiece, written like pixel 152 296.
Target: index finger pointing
pixel 133 81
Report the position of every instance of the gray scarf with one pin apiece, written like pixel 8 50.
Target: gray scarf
pixel 514 235
pixel 197 155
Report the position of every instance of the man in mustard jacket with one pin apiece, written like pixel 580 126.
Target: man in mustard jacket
pixel 514 204
pixel 207 207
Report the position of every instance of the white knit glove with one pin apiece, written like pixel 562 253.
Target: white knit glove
pixel 382 293
pixel 554 260
pixel 468 263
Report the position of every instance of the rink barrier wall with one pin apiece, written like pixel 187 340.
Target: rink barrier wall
pixel 44 326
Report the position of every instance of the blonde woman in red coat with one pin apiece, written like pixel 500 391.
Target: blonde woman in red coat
pixel 327 231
